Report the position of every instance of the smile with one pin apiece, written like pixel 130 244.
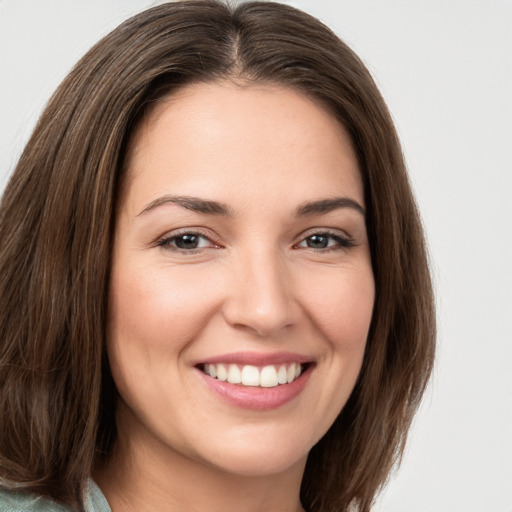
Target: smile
pixel 268 376
pixel 256 381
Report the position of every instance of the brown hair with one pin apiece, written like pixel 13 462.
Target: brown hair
pixel 57 398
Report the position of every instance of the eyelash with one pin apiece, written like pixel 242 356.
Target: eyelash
pixel 342 242
pixel 166 242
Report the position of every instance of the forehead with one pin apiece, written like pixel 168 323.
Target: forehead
pixel 209 139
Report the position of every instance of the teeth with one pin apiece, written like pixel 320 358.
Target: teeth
pixel 291 374
pixel 282 375
pixel 267 377
pixel 250 376
pixel 222 373
pixel 234 374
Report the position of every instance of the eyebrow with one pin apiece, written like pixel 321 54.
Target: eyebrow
pixel 208 207
pixel 194 204
pixel 328 205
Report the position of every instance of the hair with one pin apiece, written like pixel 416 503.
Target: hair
pixel 57 397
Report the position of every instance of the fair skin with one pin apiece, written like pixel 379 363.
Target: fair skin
pixel 240 246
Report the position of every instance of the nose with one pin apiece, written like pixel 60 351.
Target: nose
pixel 260 300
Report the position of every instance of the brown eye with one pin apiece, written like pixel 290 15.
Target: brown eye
pixel 327 241
pixel 317 241
pixel 186 242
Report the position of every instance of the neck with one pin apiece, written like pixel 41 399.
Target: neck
pixel 147 476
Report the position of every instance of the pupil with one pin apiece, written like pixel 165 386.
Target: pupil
pixel 317 242
pixel 187 241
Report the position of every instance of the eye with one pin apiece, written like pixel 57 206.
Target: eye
pixel 186 242
pixel 326 241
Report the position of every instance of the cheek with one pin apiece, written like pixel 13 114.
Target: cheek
pixel 159 306
pixel 342 308
pixel 340 311
pixel 154 315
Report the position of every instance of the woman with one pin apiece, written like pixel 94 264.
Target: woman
pixel 214 286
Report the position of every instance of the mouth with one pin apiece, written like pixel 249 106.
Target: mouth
pixel 268 376
pixel 256 381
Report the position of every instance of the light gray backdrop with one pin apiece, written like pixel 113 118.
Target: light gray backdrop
pixel 445 68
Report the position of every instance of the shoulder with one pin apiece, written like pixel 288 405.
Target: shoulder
pixel 19 501
pixel 95 501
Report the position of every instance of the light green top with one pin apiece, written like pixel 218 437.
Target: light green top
pixel 11 501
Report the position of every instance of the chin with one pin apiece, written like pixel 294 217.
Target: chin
pixel 259 463
pixel 260 452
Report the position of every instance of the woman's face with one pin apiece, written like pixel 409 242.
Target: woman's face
pixel 240 253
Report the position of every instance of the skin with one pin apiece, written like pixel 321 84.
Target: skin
pixel 253 284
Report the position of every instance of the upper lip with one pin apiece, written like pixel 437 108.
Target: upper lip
pixel 257 358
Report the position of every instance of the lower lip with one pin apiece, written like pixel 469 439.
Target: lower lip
pixel 255 397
